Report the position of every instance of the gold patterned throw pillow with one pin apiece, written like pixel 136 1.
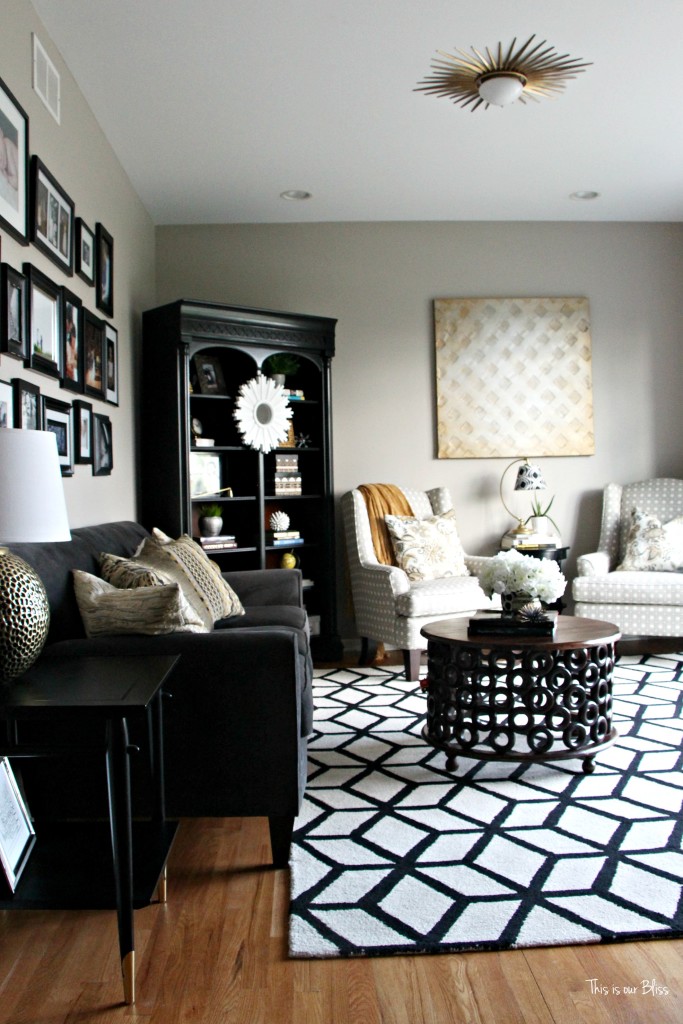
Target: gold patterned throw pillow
pixel 427 549
pixel 128 574
pixel 652 546
pixel 107 610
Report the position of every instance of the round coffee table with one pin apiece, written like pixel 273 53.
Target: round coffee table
pixel 521 698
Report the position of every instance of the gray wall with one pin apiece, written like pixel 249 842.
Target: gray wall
pixel 80 158
pixel 379 280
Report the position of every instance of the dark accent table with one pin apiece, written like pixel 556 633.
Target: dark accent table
pixel 68 865
pixel 526 698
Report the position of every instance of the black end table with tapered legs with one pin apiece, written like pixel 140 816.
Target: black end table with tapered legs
pixel 68 864
pixel 521 698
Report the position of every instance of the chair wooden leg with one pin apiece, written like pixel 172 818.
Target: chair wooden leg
pixel 411 663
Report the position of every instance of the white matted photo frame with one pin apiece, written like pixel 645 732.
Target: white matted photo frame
pixel 14 177
pixel 102 445
pixel 111 364
pixel 17 835
pixel 44 319
pixel 6 404
pixel 57 421
pixel 82 423
pixel 28 409
pixel 13 317
pixel 85 252
pixel 52 217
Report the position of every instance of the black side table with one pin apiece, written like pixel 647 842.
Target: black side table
pixel 66 867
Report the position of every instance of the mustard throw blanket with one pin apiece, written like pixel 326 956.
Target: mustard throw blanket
pixel 382 500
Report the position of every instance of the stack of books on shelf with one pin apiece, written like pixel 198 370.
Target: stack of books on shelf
pixel 222 542
pixel 287 475
pixel 283 538
pixel 294 394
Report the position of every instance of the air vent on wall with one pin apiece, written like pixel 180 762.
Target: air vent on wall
pixel 46 81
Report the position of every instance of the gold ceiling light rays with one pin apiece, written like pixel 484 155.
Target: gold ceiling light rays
pixel 528 72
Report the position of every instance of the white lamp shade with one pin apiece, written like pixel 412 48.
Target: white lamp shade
pixel 32 505
pixel 501 88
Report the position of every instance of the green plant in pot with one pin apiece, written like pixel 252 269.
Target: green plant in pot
pixel 210 520
pixel 281 365
pixel 539 517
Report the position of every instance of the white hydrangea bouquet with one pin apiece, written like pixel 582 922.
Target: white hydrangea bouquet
pixel 513 573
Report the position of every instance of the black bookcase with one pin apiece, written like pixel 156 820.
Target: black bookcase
pixel 181 338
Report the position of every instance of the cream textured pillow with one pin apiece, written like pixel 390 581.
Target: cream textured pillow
pixel 128 574
pixel 651 546
pixel 109 611
pixel 427 549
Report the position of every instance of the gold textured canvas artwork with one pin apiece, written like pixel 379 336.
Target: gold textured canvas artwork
pixel 513 377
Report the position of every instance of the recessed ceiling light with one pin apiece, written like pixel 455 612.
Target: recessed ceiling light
pixel 296 193
pixel 585 194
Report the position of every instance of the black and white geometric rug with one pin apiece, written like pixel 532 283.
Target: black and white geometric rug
pixel 392 854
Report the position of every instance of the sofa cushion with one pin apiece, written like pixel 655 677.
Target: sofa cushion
pixel 441 597
pixel 107 610
pixel 427 549
pixel 653 546
pixel 633 588
pixel 270 616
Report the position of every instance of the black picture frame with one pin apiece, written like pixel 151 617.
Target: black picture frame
pixel 209 374
pixel 93 355
pixel 57 420
pixel 17 834
pixel 13 317
pixel 85 252
pixel 111 364
pixel 44 320
pixel 82 421
pixel 6 404
pixel 52 217
pixel 28 409
pixel 102 445
pixel 104 270
pixel 14 127
pixel 72 342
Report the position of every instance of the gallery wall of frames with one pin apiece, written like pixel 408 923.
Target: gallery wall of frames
pixel 47 328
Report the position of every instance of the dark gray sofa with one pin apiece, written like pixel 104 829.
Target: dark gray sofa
pixel 235 728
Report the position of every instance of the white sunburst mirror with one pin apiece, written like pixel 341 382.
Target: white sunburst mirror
pixel 262 413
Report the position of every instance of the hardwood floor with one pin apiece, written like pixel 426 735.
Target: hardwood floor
pixel 216 953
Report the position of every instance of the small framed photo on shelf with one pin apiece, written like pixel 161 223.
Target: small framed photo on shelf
pixel 85 252
pixel 104 270
pixel 13 194
pixel 52 212
pixel 17 835
pixel 72 338
pixel 205 474
pixel 209 374
pixel 82 420
pixel 28 411
pixel 102 445
pixel 111 364
pixel 57 420
pixel 44 308
pixel 6 404
pixel 93 354
pixel 13 337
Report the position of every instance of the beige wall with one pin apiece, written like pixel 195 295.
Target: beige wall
pixel 379 280
pixel 81 160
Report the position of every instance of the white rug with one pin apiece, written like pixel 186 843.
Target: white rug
pixel 392 854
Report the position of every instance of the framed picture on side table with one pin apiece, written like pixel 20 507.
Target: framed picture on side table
pixel 17 835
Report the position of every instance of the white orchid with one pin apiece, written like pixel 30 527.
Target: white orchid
pixel 513 573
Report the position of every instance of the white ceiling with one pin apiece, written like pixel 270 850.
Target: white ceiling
pixel 215 107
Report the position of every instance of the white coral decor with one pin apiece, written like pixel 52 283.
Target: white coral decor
pixel 512 573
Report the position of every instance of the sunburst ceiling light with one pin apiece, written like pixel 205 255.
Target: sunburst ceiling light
pixel 502 78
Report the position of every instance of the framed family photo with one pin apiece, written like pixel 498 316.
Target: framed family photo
pixel 52 217
pixel 72 341
pixel 13 166
pixel 102 445
pixel 111 364
pixel 44 308
pixel 6 404
pixel 82 422
pixel 27 407
pixel 104 269
pixel 85 252
pixel 57 421
pixel 13 339
pixel 93 353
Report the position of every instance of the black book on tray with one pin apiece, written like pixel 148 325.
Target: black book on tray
pixel 496 624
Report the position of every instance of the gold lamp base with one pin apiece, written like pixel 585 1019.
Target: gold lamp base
pixel 24 616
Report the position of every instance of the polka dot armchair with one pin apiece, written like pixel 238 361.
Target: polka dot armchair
pixel 641 601
pixel 390 608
